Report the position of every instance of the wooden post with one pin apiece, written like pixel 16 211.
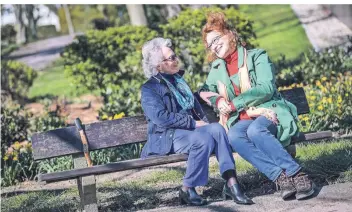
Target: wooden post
pixel 291 149
pixel 86 186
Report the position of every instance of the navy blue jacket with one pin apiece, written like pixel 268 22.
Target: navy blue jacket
pixel 163 115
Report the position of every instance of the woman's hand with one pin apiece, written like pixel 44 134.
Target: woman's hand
pixel 269 114
pixel 224 106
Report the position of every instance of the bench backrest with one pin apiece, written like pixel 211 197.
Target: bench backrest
pixel 112 133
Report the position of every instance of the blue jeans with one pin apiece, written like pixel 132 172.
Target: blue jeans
pixel 254 141
pixel 199 144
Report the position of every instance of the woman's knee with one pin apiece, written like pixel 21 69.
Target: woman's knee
pixel 237 144
pixel 259 127
pixel 202 140
pixel 215 128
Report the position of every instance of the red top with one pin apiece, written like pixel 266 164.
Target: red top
pixel 232 68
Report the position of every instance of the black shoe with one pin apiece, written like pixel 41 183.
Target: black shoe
pixel 286 186
pixel 235 193
pixel 305 186
pixel 191 197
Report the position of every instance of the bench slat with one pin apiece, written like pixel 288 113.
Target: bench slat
pixel 66 141
pixel 112 167
pixel 139 163
pixel 312 136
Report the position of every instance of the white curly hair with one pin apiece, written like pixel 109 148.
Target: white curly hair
pixel 152 55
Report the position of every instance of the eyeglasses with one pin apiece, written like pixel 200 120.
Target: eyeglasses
pixel 214 41
pixel 171 58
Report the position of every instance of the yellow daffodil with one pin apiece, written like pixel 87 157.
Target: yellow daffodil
pixel 120 115
pixel 318 83
pixel 16 145
pixel 339 99
pixel 320 107
pixel 324 100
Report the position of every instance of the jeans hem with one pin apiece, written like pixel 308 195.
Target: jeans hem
pixel 195 185
pixel 294 172
pixel 277 176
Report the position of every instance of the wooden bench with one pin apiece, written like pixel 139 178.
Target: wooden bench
pixel 130 130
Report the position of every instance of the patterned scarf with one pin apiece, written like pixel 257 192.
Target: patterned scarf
pixel 182 92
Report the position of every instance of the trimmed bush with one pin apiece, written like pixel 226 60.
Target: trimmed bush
pixel 110 61
pixel 16 79
pixel 315 65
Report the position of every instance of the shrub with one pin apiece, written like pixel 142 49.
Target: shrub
pixel 8 34
pixel 315 65
pixel 185 31
pixel 109 61
pixel 330 104
pixel 17 162
pixel 16 78
pixel 14 127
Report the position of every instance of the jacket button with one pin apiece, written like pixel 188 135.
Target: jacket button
pixel 274 105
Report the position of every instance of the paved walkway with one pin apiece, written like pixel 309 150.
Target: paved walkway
pixel 41 54
pixel 322 28
pixel 332 198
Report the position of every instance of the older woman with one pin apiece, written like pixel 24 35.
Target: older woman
pixel 177 124
pixel 248 77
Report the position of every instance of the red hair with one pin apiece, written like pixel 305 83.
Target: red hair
pixel 216 21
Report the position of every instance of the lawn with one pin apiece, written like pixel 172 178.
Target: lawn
pixel 278 30
pixel 327 162
pixel 51 82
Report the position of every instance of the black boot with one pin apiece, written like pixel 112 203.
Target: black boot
pixel 190 197
pixel 235 193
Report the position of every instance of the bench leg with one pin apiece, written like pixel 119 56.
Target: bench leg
pixel 291 149
pixel 87 193
pixel 86 186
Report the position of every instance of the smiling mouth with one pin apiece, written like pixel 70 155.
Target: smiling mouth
pixel 218 49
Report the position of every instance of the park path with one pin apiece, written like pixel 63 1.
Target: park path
pixel 41 54
pixel 322 28
pixel 331 198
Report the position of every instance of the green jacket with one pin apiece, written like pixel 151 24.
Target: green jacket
pixel 263 91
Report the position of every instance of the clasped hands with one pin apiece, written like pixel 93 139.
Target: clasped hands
pixel 225 109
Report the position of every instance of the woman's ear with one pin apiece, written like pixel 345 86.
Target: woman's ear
pixel 158 68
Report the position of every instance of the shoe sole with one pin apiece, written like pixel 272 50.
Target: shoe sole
pixel 227 197
pixel 288 195
pixel 305 195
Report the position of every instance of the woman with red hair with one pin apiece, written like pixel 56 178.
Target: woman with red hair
pixel 260 122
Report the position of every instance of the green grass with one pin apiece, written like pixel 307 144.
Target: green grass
pixel 51 82
pixel 278 30
pixel 327 162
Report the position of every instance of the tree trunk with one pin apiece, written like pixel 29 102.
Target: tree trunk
pixel 19 25
pixel 32 29
pixel 172 10
pixel 68 20
pixel 137 14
